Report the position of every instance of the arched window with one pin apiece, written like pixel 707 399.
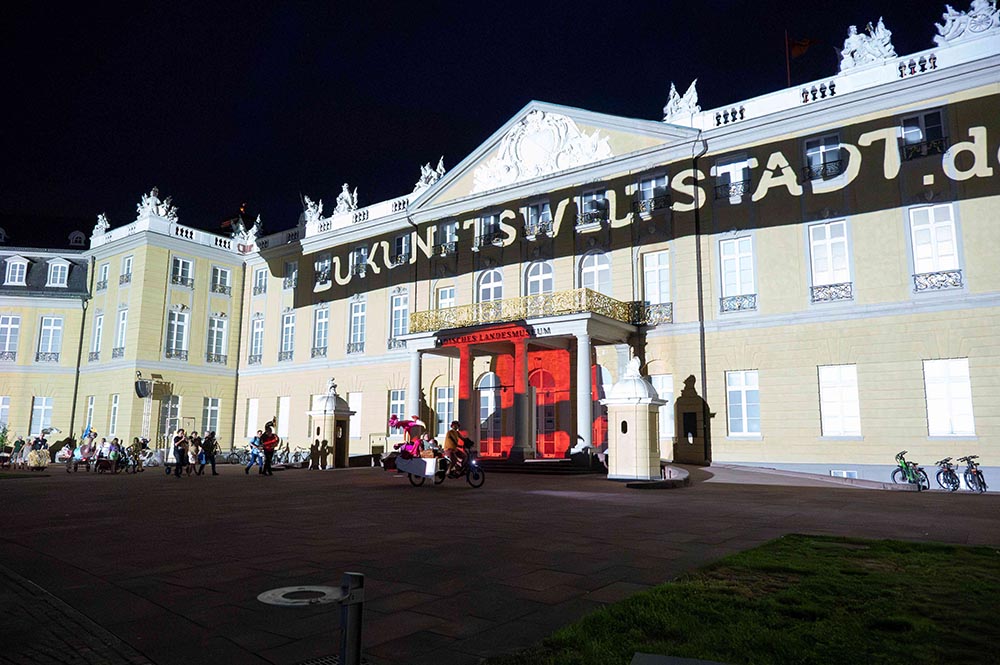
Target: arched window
pixel 490 286
pixel 489 413
pixel 595 272
pixel 538 278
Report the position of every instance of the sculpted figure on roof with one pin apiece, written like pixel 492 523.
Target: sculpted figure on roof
pixel 102 225
pixel 862 49
pixel 429 175
pixel 679 106
pixel 982 16
pixel 346 200
pixel 152 205
pixel 313 209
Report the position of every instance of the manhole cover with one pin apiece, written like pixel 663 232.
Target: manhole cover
pixel 298 596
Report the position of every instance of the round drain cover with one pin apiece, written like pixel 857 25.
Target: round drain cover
pixel 297 596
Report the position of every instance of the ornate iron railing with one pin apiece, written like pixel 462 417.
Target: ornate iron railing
pixel 591 218
pixel 284 356
pixel 182 281
pixel 732 190
pixel 118 352
pixel 832 292
pixel 258 290
pixel 355 347
pixel 318 352
pixel 216 358
pixel 824 171
pixel 176 354
pixel 101 285
pixel 47 357
pixel 289 282
pixel 93 356
pixel 916 150
pixel 254 359
pixel 125 279
pixel 223 289
pixel 323 276
pixel 742 303
pixel 444 249
pixel 560 303
pixel 649 205
pixel 393 344
pixel 399 259
pixel 359 269
pixel 494 237
pixel 936 281
pixel 542 227
pixel 8 356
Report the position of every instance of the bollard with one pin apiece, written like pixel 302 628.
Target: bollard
pixel 352 605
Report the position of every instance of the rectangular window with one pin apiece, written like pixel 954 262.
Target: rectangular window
pixel 284 415
pixel 489 225
pixel 127 266
pixel 41 415
pixel 932 230
pixel 664 386
pixel 923 134
pixel 538 219
pixel 732 180
pixel 321 328
pixel 50 340
pixel 103 273
pixel 446 232
pixel 828 251
pixel 257 337
pixel 10 330
pixel 113 420
pixel 354 404
pixel 210 415
pixel 177 331
pixel 358 310
pixel 823 158
pixel 359 259
pixel 216 336
pixel 322 266
pixel 95 345
pixel 949 397
pixel 288 332
pixel 400 315
pixel 90 411
pixel 4 410
pixel 652 188
pixel 221 280
pixel 446 297
pixel 180 271
pixel 259 281
pixel 401 248
pixel 58 274
pixel 170 415
pixel 291 275
pixel 743 402
pixel 444 407
pixel 122 328
pixel 840 414
pixel 16 272
pixel 737 267
pixel 397 407
pixel 253 408
pixel 593 206
pixel 656 277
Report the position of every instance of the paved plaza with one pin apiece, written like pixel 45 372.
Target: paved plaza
pixel 168 570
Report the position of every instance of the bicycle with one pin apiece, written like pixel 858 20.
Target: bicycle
pixel 946 477
pixel 467 465
pixel 973 475
pixel 909 472
pixel 239 457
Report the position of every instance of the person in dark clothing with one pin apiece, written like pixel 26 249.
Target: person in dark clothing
pixel 269 442
pixel 209 446
pixel 180 452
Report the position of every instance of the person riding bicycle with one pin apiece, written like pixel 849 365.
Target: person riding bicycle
pixel 453 447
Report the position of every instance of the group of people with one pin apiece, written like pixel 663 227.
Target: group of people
pixel 114 454
pixel 262 447
pixel 193 453
pixel 417 438
pixel 25 455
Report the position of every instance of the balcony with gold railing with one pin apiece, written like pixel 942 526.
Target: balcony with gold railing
pixel 560 303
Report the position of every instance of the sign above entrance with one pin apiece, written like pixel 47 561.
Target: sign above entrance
pixel 486 336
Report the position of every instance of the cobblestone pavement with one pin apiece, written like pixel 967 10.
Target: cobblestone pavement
pixel 173 567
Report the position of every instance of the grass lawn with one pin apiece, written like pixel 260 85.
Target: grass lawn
pixel 803 599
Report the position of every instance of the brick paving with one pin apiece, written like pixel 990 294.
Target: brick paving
pixel 172 567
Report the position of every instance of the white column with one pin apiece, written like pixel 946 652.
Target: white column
pixel 584 400
pixel 413 391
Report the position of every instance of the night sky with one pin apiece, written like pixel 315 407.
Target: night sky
pixel 224 103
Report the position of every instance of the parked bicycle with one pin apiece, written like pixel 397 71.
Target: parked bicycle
pixel 973 475
pixel 946 477
pixel 909 472
pixel 239 456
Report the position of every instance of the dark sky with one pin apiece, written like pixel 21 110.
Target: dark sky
pixel 219 103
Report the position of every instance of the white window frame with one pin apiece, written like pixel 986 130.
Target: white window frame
pixel 90 410
pixel 444 408
pixel 729 172
pixel 10 333
pixel 397 407
pixel 740 386
pixel 820 151
pixel 291 277
pixel 445 297
pixel 743 250
pixel 829 253
pixel 446 232
pixel 489 285
pixel 17 272
pixel 221 277
pixel 113 416
pixel 216 343
pixel 127 264
pixel 122 329
pixel 656 277
pixel 181 268
pixel 539 278
pixel 177 331
pixel 652 187
pixel 324 264
pixel 941 250
pixel 839 407
pixel 170 415
pixel 916 133
pixel 357 321
pixel 58 273
pixel 259 281
pixel 595 272
pixel 104 273
pixel 321 328
pixel 399 314
pixel 95 342
pixel 41 415
pixel 210 410
pixel 401 246
pixel 257 337
pixel 50 334
pixel 287 332
pixel 4 411
pixel 948 397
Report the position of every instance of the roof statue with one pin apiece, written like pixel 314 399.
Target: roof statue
pixel 982 16
pixel 313 209
pixel 678 105
pixel 151 205
pixel 331 386
pixel 346 200
pixel 862 49
pixel 429 176
pixel 102 225
pixel 539 144
pixel 247 236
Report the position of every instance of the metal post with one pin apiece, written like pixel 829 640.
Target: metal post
pixel 352 605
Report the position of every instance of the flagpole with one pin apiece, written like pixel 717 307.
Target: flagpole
pixel 788 65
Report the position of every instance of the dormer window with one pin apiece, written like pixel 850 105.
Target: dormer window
pixel 58 273
pixel 77 239
pixel 17 270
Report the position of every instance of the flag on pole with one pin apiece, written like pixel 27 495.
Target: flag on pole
pixel 798 47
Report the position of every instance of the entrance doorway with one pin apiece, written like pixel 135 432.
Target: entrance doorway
pixel 545 411
pixel 490 415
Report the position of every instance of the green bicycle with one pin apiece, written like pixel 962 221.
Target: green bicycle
pixel 909 472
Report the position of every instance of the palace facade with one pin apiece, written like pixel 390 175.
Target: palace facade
pixel 818 267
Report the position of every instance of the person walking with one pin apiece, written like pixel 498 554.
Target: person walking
pixel 209 446
pixel 256 455
pixel 180 452
pixel 194 452
pixel 269 442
